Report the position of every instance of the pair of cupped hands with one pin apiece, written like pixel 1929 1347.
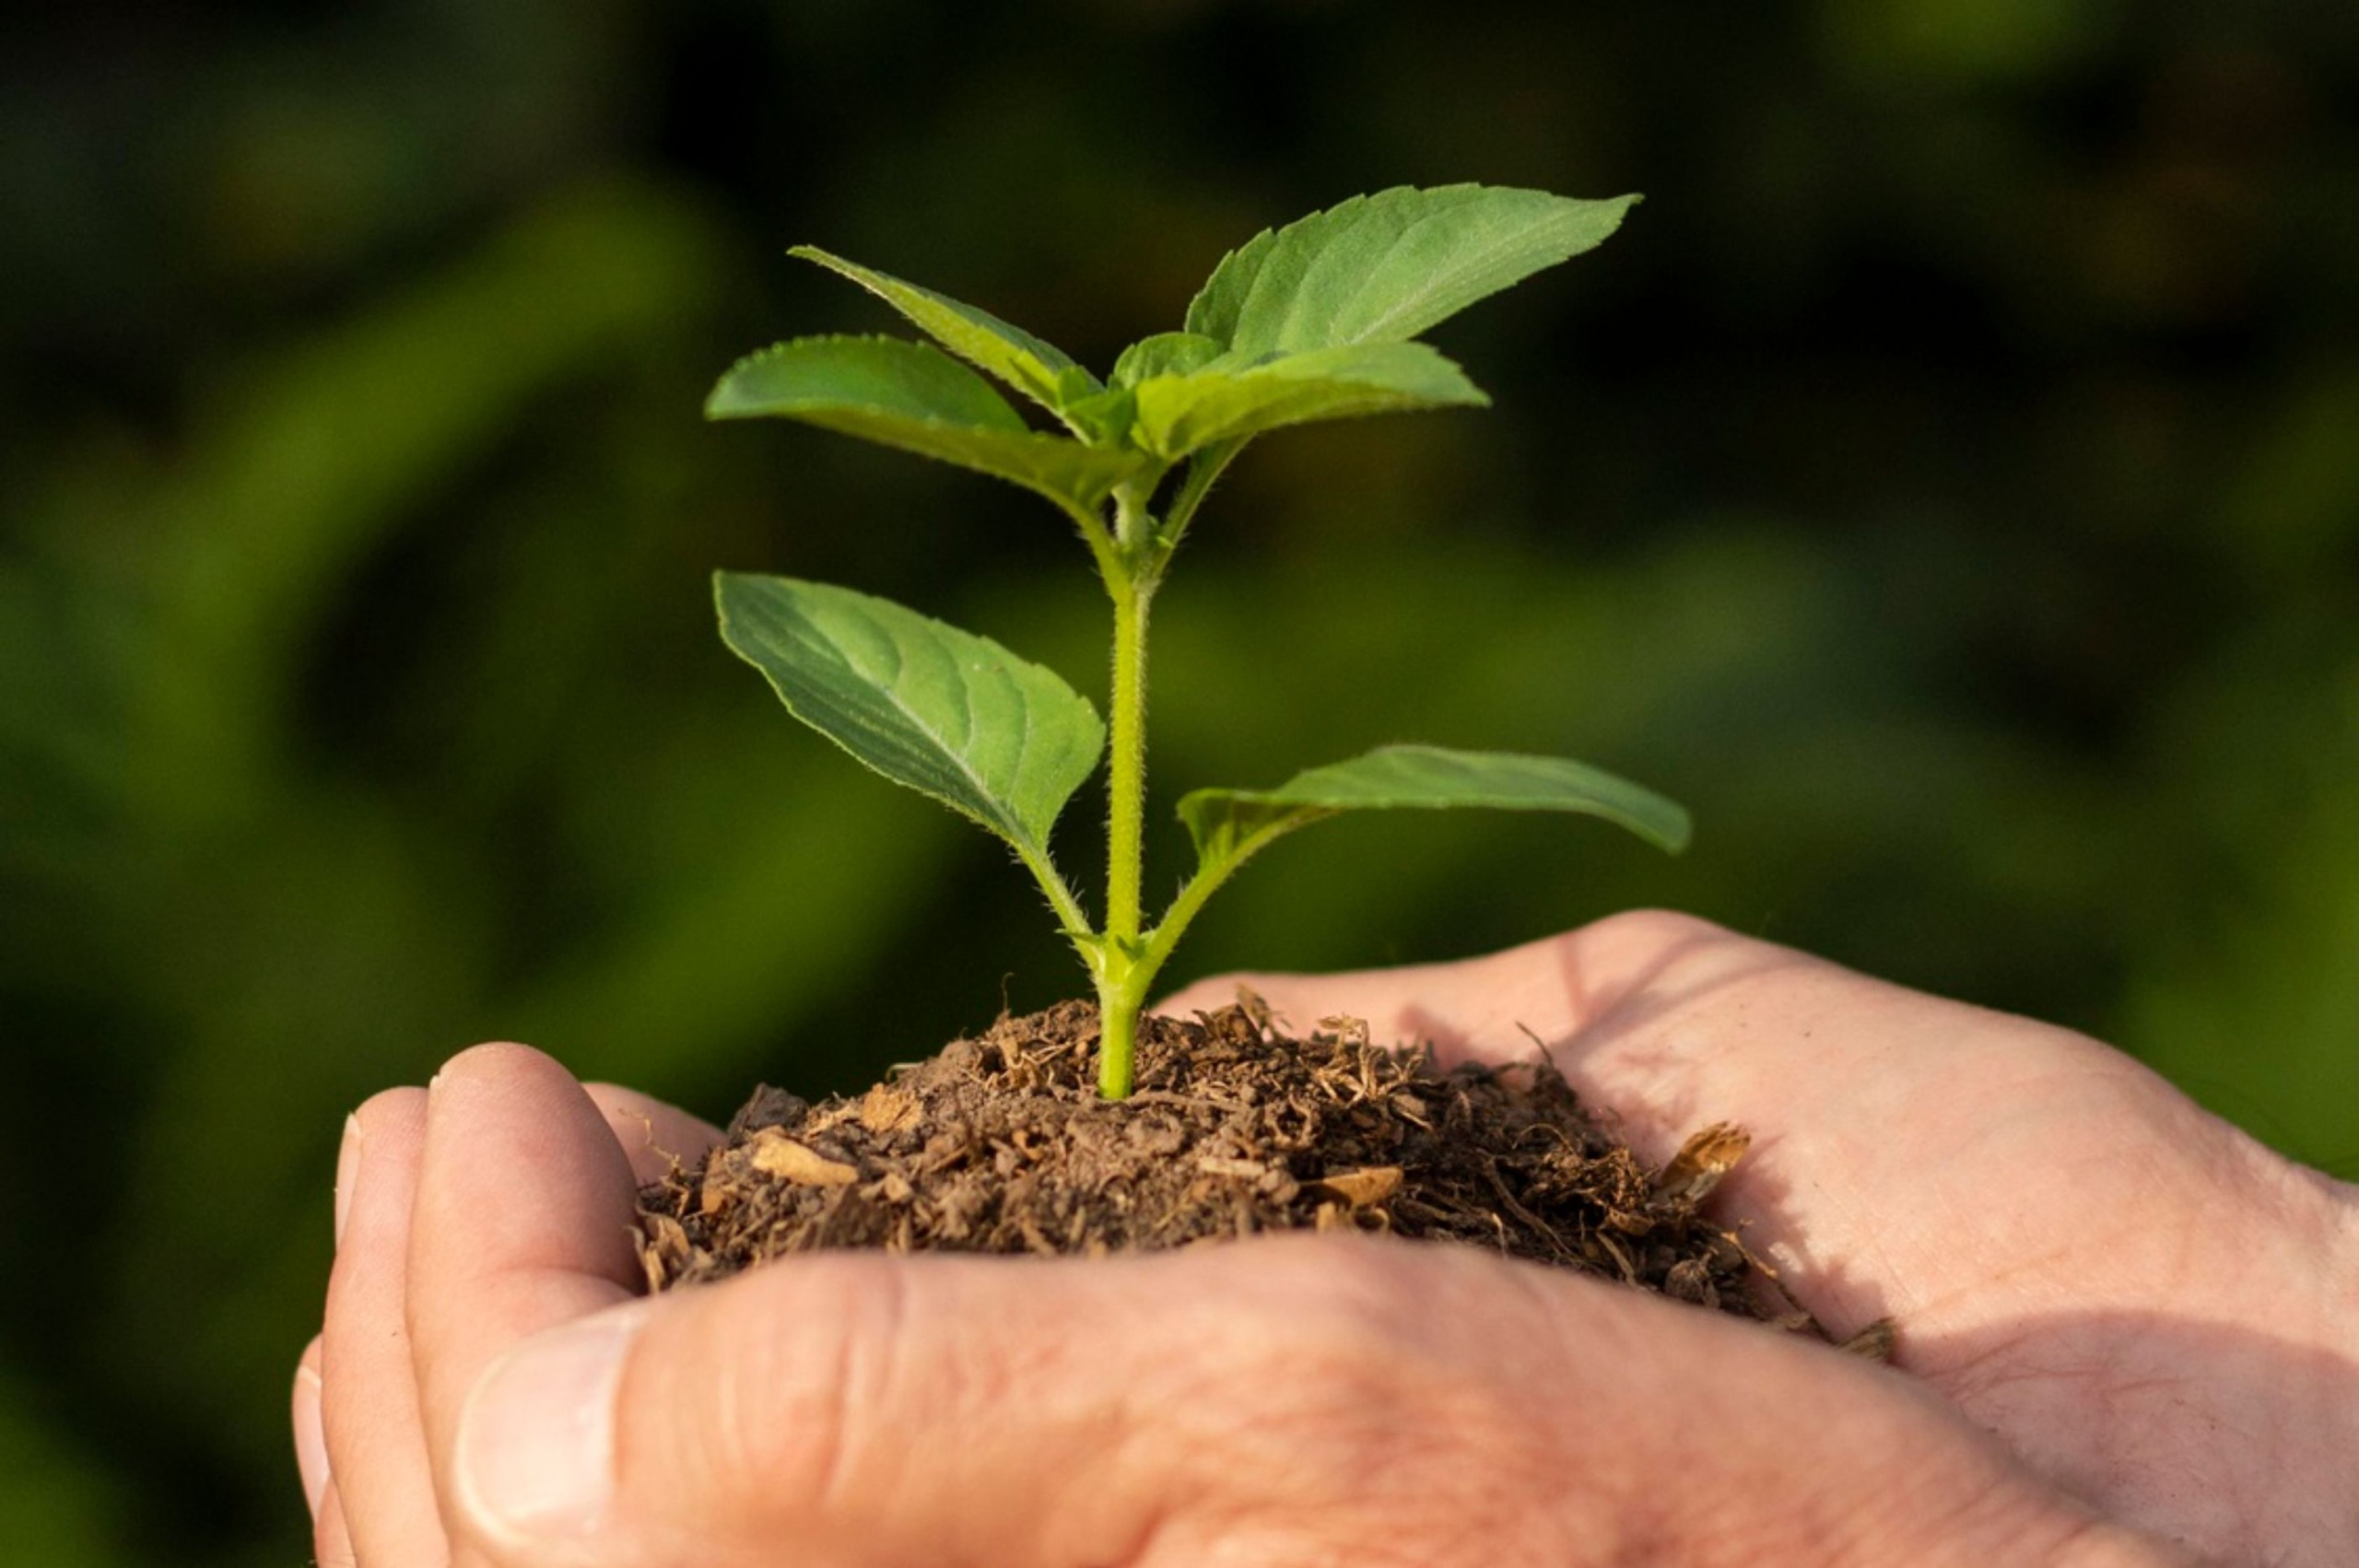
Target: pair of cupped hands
pixel 2126 1334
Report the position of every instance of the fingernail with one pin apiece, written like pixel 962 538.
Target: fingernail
pixel 311 1438
pixel 535 1450
pixel 347 1171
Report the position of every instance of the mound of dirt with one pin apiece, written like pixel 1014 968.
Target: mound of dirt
pixel 1001 1144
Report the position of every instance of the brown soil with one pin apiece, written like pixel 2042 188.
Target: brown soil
pixel 1001 1144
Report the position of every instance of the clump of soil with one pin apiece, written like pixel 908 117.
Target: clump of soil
pixel 1001 1144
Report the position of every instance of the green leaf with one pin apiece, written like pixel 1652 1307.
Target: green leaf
pixel 1104 418
pixel 1165 354
pixel 1040 370
pixel 1228 824
pixel 949 714
pixel 1181 414
pixel 917 398
pixel 1384 268
pixel 1076 385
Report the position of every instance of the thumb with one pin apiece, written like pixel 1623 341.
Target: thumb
pixel 1277 1401
pixel 842 1408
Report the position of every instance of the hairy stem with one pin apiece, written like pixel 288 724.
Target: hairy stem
pixel 1070 918
pixel 1125 973
pixel 1121 990
pixel 1118 1028
pixel 1125 836
pixel 1126 769
pixel 1100 540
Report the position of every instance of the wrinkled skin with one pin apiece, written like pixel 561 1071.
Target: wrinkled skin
pixel 2128 1334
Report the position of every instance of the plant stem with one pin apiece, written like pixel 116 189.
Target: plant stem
pixel 1121 990
pixel 1126 769
pixel 1125 838
pixel 1100 540
pixel 1070 918
pixel 1118 1028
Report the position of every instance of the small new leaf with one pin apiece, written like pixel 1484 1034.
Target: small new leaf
pixel 1384 268
pixel 943 712
pixel 1040 370
pixel 1228 824
pixel 915 397
pixel 1182 414
pixel 1104 418
pixel 1165 354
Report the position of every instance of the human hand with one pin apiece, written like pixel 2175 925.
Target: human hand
pixel 2155 1312
pixel 1288 1402
pixel 493 1395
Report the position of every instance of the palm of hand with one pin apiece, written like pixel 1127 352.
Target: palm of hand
pixel 2067 1245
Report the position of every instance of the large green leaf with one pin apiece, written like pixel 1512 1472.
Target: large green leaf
pixel 949 714
pixel 1180 414
pixel 1040 370
pixel 1384 268
pixel 1228 824
pixel 912 396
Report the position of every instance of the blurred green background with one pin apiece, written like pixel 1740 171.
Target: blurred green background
pixel 1948 485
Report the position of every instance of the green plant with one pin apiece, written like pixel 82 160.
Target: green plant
pixel 1315 321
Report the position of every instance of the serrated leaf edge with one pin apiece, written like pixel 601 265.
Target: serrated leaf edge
pixel 1018 427
pixel 1269 235
pixel 1055 360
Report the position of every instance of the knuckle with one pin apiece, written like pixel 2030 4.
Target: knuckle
pixel 798 1379
pixel 1654 929
pixel 1336 1380
pixel 1327 1347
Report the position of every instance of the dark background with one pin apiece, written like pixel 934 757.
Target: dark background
pixel 1947 485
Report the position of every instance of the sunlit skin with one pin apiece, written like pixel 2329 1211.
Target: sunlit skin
pixel 2128 1335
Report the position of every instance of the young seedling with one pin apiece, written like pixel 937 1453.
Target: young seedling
pixel 1316 320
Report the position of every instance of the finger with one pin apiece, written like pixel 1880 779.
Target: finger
pixel 654 1135
pixel 311 1436
pixel 375 1444
pixel 524 1224
pixel 1878 1115
pixel 844 1409
pixel 1949 1167
pixel 1563 994
pixel 330 1541
pixel 1880 1472
pixel 858 1410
